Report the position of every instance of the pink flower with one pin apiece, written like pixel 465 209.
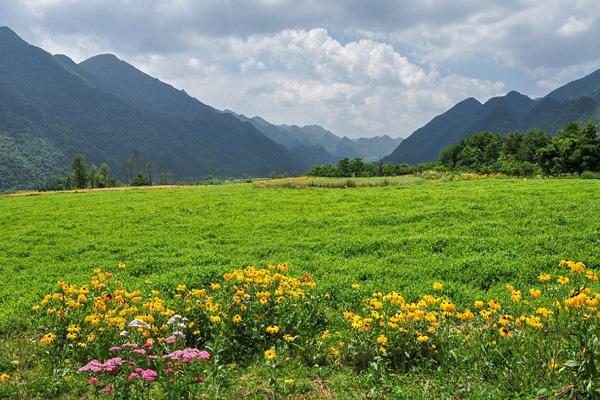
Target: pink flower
pixel 133 376
pixel 93 381
pixel 140 351
pixel 152 358
pixel 147 345
pixel 149 375
pixel 114 348
pixel 131 345
pixel 170 340
pixel 200 379
pixel 108 389
pixel 187 355
pixel 169 371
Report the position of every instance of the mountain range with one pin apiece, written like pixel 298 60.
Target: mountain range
pixel 576 101
pixel 312 144
pixel 52 108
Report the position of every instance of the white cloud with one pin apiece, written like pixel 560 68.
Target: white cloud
pixel 574 26
pixel 360 88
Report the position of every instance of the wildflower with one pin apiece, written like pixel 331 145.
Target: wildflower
pixel 289 338
pixel 544 277
pixel 447 306
pixel 200 379
pixel 591 275
pixel 422 339
pixel 289 381
pixel 121 265
pixel 133 375
pixel 270 354
pixel 552 364
pixel 382 340
pixel 93 381
pixel 215 319
pixel 138 323
pixel 149 375
pixel 437 286
pixel 478 304
pixel 108 389
pixel 563 280
pixel 543 311
pixel 535 293
pixel 4 378
pixel 47 339
pixel 355 286
pixel 504 332
pixel 170 340
pixel 236 319
pixel 273 329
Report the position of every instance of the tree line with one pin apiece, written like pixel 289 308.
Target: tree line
pixel 575 149
pixel 83 175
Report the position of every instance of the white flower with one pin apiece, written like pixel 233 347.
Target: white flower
pixel 138 323
pixel 124 333
pixel 173 319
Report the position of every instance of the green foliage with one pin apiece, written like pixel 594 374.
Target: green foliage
pixel 140 180
pixel 573 150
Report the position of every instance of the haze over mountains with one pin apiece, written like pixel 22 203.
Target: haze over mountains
pixel 576 101
pixel 312 144
pixel 52 108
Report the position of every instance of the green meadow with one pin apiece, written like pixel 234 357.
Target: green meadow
pixel 472 235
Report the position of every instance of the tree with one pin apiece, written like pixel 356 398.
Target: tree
pixel 149 171
pixel 79 172
pixel 140 180
pixel 104 177
pixel 93 176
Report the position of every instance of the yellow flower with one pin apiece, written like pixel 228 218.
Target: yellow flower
pixel 504 332
pixel 121 265
pixel 563 280
pixel 4 377
pixel 237 319
pixel 289 381
pixel 543 311
pixel 270 354
pixel 447 306
pixel 181 287
pixel 215 285
pixel 422 339
pixel 273 329
pixel 535 293
pixel 289 338
pixel 91 337
pixel 382 340
pixel 478 304
pixel 552 364
pixel 47 339
pixel 215 319
pixel 544 277
pixel 355 286
pixel 437 286
pixel 591 275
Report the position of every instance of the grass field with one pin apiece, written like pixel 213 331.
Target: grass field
pixel 472 235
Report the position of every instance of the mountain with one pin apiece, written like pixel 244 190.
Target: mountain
pixel 576 101
pixel 588 86
pixel 52 108
pixel 313 144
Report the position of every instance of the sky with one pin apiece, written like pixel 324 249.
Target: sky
pixel 359 68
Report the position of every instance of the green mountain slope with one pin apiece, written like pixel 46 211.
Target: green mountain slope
pixel 577 101
pixel 74 109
